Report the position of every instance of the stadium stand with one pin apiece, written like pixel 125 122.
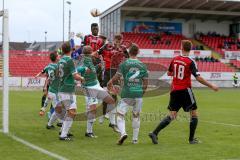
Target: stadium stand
pixel 220 43
pixel 235 63
pixel 21 63
pixel 154 41
pixel 154 64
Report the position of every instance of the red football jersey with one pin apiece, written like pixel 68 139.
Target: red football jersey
pixel 94 41
pixel 181 68
pixel 107 55
pixel 119 55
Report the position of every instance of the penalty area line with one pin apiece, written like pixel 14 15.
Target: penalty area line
pixel 219 123
pixel 37 148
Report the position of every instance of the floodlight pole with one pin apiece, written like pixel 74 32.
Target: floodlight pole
pixel 69 20
pixel 63 19
pixel 5 73
pixel 45 41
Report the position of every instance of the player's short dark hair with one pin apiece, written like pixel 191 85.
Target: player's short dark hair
pixel 186 45
pixel 87 50
pixel 66 47
pixel 53 56
pixel 94 25
pixel 134 49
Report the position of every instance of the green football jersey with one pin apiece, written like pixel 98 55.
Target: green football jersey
pixel 133 72
pixel 91 77
pixel 66 69
pixel 51 70
pixel 235 78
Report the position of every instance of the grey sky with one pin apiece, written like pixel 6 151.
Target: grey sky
pixel 30 18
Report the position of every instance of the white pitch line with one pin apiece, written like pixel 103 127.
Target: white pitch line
pixel 34 147
pixel 225 124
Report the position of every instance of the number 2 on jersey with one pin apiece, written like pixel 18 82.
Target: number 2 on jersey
pixel 179 71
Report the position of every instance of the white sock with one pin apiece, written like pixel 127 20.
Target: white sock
pixel 52 119
pixel 121 125
pixel 111 113
pixel 135 126
pixel 89 126
pixel 112 118
pixel 67 123
pixel 61 117
pixel 101 119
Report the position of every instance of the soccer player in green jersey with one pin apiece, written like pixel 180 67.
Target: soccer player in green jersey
pixel 66 90
pixel 53 82
pixel 92 89
pixel 135 78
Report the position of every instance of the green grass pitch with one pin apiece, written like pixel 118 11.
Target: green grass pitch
pixel 217 111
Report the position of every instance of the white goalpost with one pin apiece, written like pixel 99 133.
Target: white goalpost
pixel 5 93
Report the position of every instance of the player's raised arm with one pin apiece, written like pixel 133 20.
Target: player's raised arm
pixel 115 78
pixel 78 77
pixel 206 83
pixel 200 79
pixel 43 72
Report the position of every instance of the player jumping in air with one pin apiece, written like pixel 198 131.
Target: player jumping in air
pixel 135 77
pixel 53 83
pixel 67 97
pixel 96 42
pixel 181 69
pixel 92 89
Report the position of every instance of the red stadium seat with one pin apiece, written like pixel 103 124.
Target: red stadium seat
pixel 22 63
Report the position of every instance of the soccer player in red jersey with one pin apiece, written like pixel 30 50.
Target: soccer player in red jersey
pixel 120 54
pixel 181 69
pixel 93 40
pixel 96 42
pixel 113 56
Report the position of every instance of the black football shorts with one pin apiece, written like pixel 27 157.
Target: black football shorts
pixel 182 99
